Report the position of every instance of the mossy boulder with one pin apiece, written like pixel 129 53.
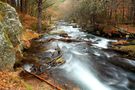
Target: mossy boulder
pixel 129 50
pixel 10 31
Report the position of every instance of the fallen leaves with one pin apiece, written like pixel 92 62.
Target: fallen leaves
pixel 28 21
pixel 10 81
pixel 120 42
pixel 27 36
pixel 110 30
pixel 128 28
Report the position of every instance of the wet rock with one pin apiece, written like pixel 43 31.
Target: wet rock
pixel 132 42
pixel 10 30
pixel 108 72
pixel 126 64
pixel 65 35
pixel 121 42
pixel 126 50
pixel 59 31
pixel 74 25
pixel 51 57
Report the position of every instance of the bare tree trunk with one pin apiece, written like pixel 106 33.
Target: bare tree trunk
pixel 13 3
pixel 25 6
pixel 21 5
pixel 123 12
pixel 8 1
pixel 116 19
pixel 39 16
pixel 110 14
pixel 18 5
pixel 133 8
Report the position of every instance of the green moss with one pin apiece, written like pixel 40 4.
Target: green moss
pixel 60 60
pixel 2 15
pixel 8 40
pixel 10 29
pixel 28 86
pixel 132 42
pixel 1 18
pixel 2 5
pixel 130 49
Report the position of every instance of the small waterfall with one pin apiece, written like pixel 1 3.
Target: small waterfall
pixel 82 75
pixel 76 67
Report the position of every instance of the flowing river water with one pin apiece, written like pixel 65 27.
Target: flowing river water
pixel 90 67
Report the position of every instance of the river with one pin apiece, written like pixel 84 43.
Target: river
pixel 90 66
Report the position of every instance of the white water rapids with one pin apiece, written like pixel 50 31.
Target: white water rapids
pixel 88 66
pixel 75 68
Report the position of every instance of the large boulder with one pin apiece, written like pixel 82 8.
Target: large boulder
pixel 10 31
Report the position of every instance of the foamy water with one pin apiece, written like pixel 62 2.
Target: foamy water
pixel 84 76
pixel 76 69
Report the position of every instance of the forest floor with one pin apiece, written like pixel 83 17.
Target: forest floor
pixel 16 81
pixel 34 83
pixel 11 81
pixel 125 34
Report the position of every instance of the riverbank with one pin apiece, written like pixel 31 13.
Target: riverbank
pixel 124 34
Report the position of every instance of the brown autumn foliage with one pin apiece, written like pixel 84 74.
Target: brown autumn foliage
pixel 128 28
pixel 113 30
pixel 110 30
pixel 27 36
pixel 10 81
pixel 120 42
pixel 28 20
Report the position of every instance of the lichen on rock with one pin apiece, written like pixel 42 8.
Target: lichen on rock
pixel 10 31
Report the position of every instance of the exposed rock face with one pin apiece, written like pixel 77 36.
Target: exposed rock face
pixel 10 31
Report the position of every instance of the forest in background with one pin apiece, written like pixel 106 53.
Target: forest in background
pixel 101 16
pixel 83 12
pixel 113 19
pixel 102 11
pixel 35 14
